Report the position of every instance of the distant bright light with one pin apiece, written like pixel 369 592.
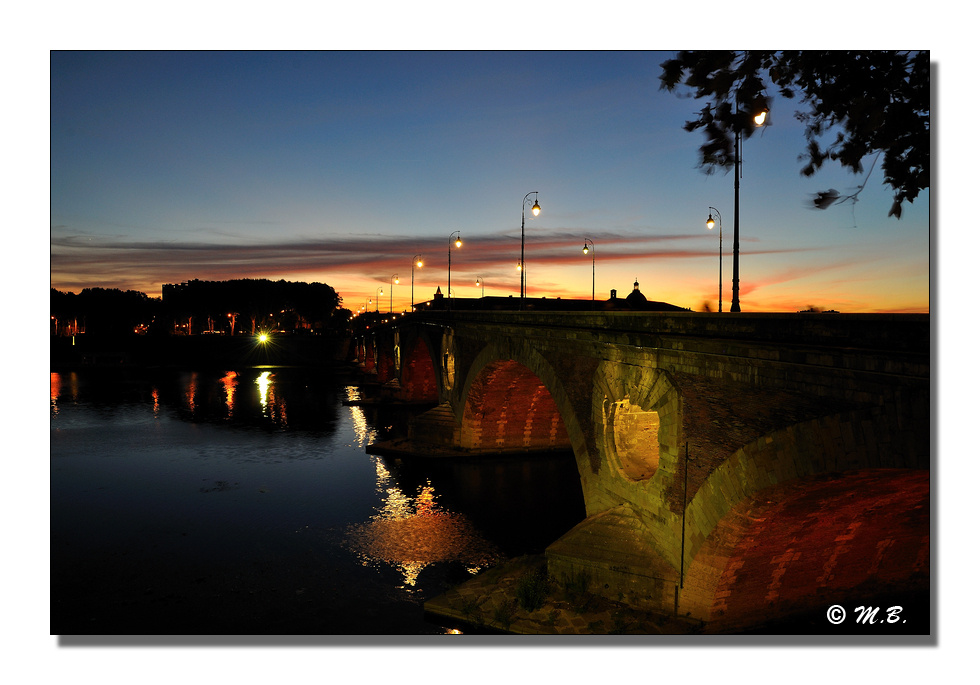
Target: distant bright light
pixel 263 337
pixel 536 209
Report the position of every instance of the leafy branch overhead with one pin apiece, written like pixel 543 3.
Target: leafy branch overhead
pixel 868 102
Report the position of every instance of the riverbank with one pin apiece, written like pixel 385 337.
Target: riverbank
pixel 518 597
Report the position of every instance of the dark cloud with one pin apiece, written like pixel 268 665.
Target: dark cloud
pixel 82 261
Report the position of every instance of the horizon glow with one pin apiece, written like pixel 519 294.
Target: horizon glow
pixel 343 167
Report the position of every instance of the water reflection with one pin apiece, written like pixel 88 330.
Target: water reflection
pixel 190 394
pixel 363 432
pixel 410 533
pixel 214 396
pixel 230 383
pixel 59 382
pixel 264 381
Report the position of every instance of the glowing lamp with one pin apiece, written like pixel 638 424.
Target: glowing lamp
pixel 760 118
pixel 536 209
pixel 710 223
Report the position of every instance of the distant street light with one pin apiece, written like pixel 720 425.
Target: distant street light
pixel 391 290
pixel 381 291
pixel 459 243
pixel 585 250
pixel 535 210
pixel 416 262
pixel 710 223
pixel 480 283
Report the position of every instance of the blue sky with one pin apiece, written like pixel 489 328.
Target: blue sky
pixel 338 167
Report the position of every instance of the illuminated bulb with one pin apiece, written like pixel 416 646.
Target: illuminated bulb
pixel 760 118
pixel 536 209
pixel 585 249
pixel 710 223
pixel 459 243
pixel 419 264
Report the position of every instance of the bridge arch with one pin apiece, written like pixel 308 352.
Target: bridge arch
pixel 419 379
pixel 856 440
pixel 509 408
pixel 539 414
pixel 805 544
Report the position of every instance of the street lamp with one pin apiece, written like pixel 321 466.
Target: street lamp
pixel 480 283
pixel 381 291
pixel 459 243
pixel 416 262
pixel 585 250
pixel 710 223
pixel 535 210
pixel 759 119
pixel 391 290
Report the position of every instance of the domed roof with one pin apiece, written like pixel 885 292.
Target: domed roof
pixel 636 298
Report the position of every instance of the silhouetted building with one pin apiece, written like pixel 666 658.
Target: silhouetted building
pixel 637 301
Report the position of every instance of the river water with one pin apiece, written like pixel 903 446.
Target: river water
pixel 244 502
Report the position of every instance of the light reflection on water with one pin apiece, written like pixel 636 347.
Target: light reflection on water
pixel 364 433
pixel 162 478
pixel 410 533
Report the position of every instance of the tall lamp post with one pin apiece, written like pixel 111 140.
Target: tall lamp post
pixel 759 119
pixel 710 223
pixel 480 283
pixel 586 250
pixel 449 283
pixel 381 291
pixel 535 210
pixel 391 290
pixel 416 262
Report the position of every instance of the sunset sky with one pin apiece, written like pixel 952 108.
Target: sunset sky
pixel 338 167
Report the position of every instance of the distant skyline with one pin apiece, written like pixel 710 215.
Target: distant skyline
pixel 338 167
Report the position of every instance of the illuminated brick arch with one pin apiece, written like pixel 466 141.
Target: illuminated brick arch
pixel 508 408
pixel 512 399
pixel 419 382
pixel 804 545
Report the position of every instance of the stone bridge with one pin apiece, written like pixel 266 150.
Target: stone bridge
pixel 734 467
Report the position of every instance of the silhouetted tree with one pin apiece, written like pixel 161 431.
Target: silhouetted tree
pixel 256 303
pixel 104 310
pixel 877 102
